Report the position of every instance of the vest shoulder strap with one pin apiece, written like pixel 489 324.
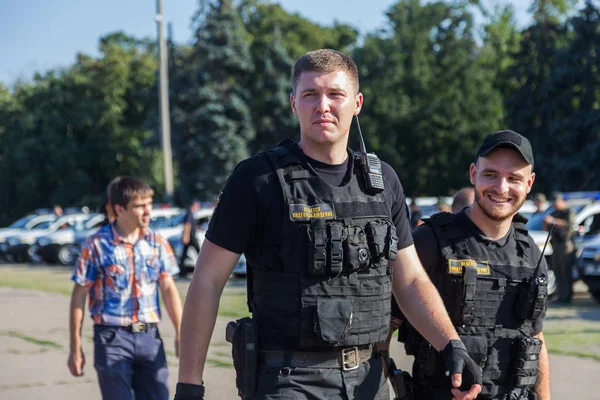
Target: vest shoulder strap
pixel 522 239
pixel 448 233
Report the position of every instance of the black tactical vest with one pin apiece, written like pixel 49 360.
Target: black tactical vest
pixel 484 292
pixel 329 284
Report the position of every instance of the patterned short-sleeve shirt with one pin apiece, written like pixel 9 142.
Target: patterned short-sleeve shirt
pixel 123 277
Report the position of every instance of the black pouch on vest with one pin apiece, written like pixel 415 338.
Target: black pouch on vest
pixel 356 249
pixel 317 253
pixel 391 243
pixel 376 238
pixel 532 299
pixel 526 368
pixel 243 337
pixel 335 318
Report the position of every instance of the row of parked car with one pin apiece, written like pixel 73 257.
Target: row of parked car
pixel 45 237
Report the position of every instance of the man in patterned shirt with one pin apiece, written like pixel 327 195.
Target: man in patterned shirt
pixel 122 267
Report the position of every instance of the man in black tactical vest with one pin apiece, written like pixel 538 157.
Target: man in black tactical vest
pixel 492 278
pixel 326 238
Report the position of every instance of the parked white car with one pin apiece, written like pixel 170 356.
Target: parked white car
pixel 56 247
pixel 26 223
pixel 21 246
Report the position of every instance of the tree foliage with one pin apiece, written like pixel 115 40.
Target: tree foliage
pixel 435 83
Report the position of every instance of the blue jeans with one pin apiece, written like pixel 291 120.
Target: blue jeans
pixel 128 363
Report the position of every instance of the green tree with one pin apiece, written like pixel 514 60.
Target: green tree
pixel 79 127
pixel 271 86
pixel 574 92
pixel 428 101
pixel 529 109
pixel 266 22
pixel 211 116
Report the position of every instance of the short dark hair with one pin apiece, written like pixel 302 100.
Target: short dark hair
pixel 325 60
pixel 124 189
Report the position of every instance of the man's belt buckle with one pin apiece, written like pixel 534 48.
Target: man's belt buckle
pixel 350 358
pixel 138 327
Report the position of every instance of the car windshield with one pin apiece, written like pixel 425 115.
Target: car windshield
pixel 19 224
pixel 166 221
pixel 43 225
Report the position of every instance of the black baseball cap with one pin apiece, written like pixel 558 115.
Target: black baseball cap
pixel 507 139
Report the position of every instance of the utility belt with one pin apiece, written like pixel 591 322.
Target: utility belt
pixel 347 358
pixel 242 334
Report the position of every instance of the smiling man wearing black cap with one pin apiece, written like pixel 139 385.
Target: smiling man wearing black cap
pixel 485 265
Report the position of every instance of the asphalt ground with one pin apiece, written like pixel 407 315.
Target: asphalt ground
pixel 34 349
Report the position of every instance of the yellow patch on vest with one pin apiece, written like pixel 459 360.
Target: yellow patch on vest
pixel 455 267
pixel 303 212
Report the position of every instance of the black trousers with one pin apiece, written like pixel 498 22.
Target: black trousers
pixel 193 243
pixel 367 382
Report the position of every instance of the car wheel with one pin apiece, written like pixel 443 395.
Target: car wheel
pixel 64 255
pixel 595 294
pixel 33 256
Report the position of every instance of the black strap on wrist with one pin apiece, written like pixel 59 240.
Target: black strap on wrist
pixel 189 391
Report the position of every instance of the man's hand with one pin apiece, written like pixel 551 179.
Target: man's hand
pixel 76 362
pixel 460 364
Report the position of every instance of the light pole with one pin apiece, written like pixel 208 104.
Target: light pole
pixel 163 101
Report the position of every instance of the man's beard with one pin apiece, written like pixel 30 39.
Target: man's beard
pixel 497 214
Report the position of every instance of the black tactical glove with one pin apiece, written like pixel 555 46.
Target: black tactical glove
pixel 188 391
pixel 458 361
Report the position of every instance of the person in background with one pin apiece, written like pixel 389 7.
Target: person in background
pixel 57 210
pixel 122 268
pixel 563 246
pixel 107 209
pixel 415 215
pixel 189 238
pixel 442 206
pixel 539 200
pixel 463 198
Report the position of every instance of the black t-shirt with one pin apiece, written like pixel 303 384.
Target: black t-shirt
pixel 430 254
pixel 249 214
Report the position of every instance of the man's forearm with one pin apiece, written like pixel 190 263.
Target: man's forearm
pixel 422 305
pixel 197 325
pixel 173 306
pixel 542 388
pixel 76 313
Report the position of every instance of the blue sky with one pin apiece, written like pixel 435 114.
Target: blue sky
pixel 37 35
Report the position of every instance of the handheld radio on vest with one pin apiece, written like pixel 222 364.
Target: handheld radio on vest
pixel 371 166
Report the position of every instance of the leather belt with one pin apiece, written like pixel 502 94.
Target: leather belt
pixel 136 327
pixel 347 358
pixel 140 327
